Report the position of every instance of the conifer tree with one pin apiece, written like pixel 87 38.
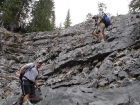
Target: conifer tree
pixel 43 18
pixel 101 7
pixel 134 6
pixel 13 13
pixel 67 22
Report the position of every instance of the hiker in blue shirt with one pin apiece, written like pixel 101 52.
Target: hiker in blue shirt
pixel 99 31
pixel 29 80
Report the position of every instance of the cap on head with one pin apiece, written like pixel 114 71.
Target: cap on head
pixel 40 61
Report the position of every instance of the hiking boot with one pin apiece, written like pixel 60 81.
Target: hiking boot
pixel 27 103
pixel 102 40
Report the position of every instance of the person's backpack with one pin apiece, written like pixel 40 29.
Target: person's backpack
pixel 106 20
pixel 24 71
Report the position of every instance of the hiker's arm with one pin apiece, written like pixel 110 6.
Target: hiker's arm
pixel 98 22
pixel 21 69
pixel 36 84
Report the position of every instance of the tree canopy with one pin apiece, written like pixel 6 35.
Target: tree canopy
pixel 134 6
pixel 43 18
pixel 101 7
pixel 13 13
pixel 27 15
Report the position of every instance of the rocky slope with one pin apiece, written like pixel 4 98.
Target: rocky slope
pixel 77 69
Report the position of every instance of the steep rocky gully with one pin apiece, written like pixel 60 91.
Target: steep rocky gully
pixel 77 69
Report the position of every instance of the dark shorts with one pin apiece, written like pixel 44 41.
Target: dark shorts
pixel 28 88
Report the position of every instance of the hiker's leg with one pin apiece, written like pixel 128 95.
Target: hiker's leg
pixel 32 90
pixel 101 28
pixel 103 31
pixel 26 97
pixel 95 34
pixel 101 37
pixel 26 90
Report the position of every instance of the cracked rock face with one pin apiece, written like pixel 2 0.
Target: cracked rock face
pixel 77 70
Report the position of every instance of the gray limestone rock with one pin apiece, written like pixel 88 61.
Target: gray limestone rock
pixel 77 69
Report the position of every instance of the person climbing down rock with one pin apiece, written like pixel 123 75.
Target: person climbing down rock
pixel 29 80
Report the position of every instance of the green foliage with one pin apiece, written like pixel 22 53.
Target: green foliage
pixel 13 13
pixel 67 22
pixel 43 18
pixel 27 15
pixel 134 6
